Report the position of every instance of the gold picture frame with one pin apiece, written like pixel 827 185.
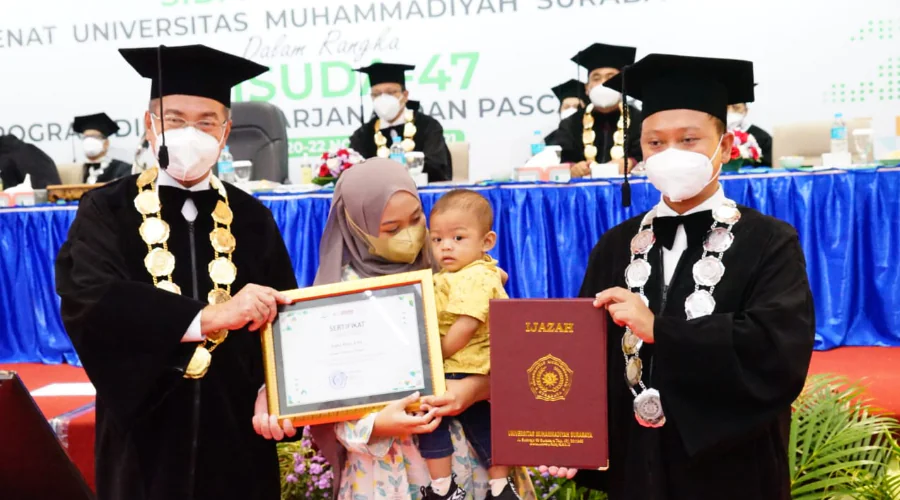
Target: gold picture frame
pixel 418 285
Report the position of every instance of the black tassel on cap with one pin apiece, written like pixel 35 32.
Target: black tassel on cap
pixel 163 150
pixel 626 187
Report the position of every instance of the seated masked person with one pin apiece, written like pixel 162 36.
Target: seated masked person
pixel 95 131
pixel 571 100
pixel 596 135
pixel 396 118
pixel 738 120
pixel 711 320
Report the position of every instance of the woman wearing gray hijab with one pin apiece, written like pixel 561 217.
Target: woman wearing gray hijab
pixel 376 227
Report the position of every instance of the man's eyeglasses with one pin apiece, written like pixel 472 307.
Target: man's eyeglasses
pixel 208 125
pixel 395 93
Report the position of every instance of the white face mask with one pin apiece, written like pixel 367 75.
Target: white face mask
pixel 567 113
pixel 387 107
pixel 678 174
pixel 192 153
pixel 735 120
pixel 93 147
pixel 604 97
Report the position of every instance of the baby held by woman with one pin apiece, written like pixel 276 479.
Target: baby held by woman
pixel 461 237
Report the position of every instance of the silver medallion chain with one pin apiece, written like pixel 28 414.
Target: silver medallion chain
pixel 707 273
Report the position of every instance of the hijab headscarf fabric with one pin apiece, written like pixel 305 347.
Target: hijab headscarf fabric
pixel 362 192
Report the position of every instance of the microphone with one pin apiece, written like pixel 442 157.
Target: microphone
pixel 163 150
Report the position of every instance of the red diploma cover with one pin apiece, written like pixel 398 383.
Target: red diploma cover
pixel 548 383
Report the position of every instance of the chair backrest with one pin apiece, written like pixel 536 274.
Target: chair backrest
pixel 459 157
pixel 70 173
pixel 259 134
pixel 810 139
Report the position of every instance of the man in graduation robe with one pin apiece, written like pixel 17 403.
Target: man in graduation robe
pixel 395 118
pixel 95 131
pixel 173 422
pixel 18 159
pixel 737 120
pixel 602 63
pixel 714 393
pixel 571 100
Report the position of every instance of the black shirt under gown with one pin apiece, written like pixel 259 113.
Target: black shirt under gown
pixel 726 380
pixel 128 336
pixel 115 170
pixel 569 135
pixel 429 139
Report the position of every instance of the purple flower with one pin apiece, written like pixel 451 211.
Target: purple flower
pixel 545 475
pixel 315 468
pixel 306 443
pixel 300 468
pixel 324 484
pixel 291 478
pixel 318 458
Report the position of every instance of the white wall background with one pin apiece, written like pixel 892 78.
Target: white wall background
pixel 803 50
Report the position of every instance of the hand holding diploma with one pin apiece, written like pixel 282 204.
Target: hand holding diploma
pixel 254 305
pixel 558 472
pixel 267 425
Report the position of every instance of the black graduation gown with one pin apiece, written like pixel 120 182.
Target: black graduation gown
pixel 115 170
pixel 765 144
pixel 553 138
pixel 726 380
pixel 605 125
pixel 128 335
pixel 18 159
pixel 429 139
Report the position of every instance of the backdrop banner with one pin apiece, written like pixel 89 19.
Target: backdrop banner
pixel 484 68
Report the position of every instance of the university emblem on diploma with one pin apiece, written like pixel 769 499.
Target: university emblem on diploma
pixel 550 379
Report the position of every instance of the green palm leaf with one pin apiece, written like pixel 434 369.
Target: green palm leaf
pixel 839 445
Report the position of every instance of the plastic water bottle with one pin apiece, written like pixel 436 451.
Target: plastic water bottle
pixel 537 143
pixel 397 152
pixel 839 135
pixel 226 165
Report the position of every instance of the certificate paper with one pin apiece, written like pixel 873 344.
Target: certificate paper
pixel 361 348
pixel 343 350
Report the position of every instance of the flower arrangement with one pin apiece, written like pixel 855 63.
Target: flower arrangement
pixel 744 151
pixel 547 487
pixel 334 163
pixel 305 474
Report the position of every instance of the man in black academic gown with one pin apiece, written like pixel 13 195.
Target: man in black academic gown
pixel 95 131
pixel 143 320
pixel 571 100
pixel 18 159
pixel 602 62
pixel 394 118
pixel 737 120
pixel 713 406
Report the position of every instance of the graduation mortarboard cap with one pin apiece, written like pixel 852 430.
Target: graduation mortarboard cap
pixel 387 73
pixel 571 88
pixel 195 70
pixel 663 82
pixel 601 55
pixel 99 122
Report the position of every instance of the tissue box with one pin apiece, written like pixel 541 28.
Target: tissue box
pixel 5 200
pixel 556 173
pixel 25 199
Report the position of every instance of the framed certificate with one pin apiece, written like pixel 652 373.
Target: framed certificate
pixel 338 352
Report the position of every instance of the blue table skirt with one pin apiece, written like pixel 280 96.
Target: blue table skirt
pixel 849 226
